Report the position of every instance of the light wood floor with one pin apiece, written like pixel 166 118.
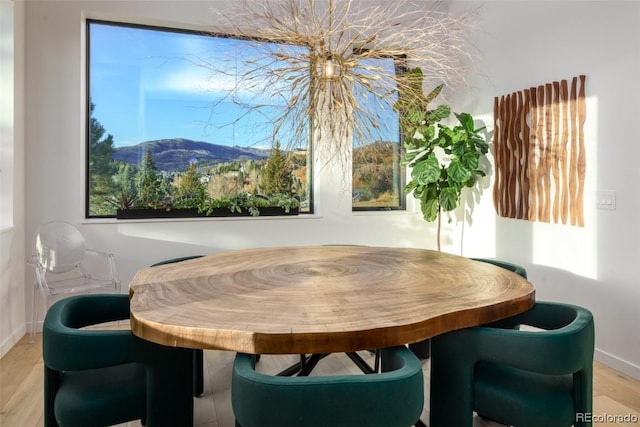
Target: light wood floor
pixel 21 388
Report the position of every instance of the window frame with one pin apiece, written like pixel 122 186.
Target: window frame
pixel 400 65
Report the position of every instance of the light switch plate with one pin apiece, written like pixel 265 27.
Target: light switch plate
pixel 606 199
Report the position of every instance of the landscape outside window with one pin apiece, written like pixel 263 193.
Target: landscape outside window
pixel 378 179
pixel 164 133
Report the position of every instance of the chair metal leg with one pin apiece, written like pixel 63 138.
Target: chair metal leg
pixel 34 314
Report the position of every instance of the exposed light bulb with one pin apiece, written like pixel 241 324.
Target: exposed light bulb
pixel 329 68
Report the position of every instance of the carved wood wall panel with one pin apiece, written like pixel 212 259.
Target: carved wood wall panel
pixel 539 153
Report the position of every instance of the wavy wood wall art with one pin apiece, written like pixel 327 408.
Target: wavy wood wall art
pixel 539 153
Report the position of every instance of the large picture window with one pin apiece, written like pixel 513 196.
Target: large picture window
pixel 164 132
pixel 378 178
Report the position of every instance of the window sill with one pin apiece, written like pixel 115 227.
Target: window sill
pixel 200 219
pixel 383 212
pixel 6 229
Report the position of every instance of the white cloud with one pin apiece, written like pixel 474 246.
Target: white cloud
pixel 193 82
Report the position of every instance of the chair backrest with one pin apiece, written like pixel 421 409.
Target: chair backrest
pixel 59 247
pixel 66 347
pixel 563 345
pixel 518 269
pixel 392 398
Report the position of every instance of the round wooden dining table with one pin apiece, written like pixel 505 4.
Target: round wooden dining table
pixel 319 299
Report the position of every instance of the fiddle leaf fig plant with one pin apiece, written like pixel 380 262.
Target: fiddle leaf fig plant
pixel 443 159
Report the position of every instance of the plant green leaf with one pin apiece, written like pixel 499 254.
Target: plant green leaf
pixel 427 170
pixel 449 199
pixel 434 93
pixel 457 172
pixel 482 145
pixel 429 206
pixel 408 157
pixel 470 160
pixel 410 187
pixel 441 112
pixel 466 120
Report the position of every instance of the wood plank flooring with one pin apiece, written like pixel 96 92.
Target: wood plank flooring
pixel 21 388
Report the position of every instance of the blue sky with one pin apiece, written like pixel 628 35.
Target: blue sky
pixel 149 85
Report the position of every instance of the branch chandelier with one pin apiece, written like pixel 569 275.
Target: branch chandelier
pixel 325 67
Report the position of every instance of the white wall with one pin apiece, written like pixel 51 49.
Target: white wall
pixel 12 259
pixel 590 266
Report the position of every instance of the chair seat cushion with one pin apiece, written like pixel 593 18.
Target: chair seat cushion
pixel 101 397
pixel 516 397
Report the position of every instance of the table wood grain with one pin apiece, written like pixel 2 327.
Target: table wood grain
pixel 320 299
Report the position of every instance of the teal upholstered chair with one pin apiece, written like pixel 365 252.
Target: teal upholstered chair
pixel 422 349
pixel 198 355
pixel 518 269
pixel 101 377
pixel 391 398
pixel 517 377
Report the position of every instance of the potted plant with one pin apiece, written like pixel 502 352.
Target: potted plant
pixel 245 203
pixel 443 159
pixel 240 204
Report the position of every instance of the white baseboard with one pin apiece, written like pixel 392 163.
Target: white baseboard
pixel 618 364
pixel 11 340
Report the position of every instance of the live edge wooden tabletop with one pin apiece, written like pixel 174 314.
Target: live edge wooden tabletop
pixel 319 299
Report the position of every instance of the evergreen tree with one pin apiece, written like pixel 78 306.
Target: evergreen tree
pixel 190 191
pixel 190 181
pixel 102 168
pixel 148 184
pixel 126 190
pixel 278 173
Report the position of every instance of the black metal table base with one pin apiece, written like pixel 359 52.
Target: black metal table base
pixel 308 363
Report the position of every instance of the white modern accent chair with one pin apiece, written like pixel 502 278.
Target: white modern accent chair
pixel 64 266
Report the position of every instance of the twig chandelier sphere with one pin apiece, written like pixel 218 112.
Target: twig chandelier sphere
pixel 327 60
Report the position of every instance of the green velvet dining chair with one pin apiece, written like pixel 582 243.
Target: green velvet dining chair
pixel 518 269
pixel 422 349
pixel 533 377
pixel 392 398
pixel 101 377
pixel 198 355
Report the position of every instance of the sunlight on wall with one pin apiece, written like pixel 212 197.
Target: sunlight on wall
pixel 473 233
pixel 187 232
pixel 6 114
pixel 569 248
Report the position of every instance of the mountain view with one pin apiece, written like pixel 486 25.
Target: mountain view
pixel 176 154
pixel 224 171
